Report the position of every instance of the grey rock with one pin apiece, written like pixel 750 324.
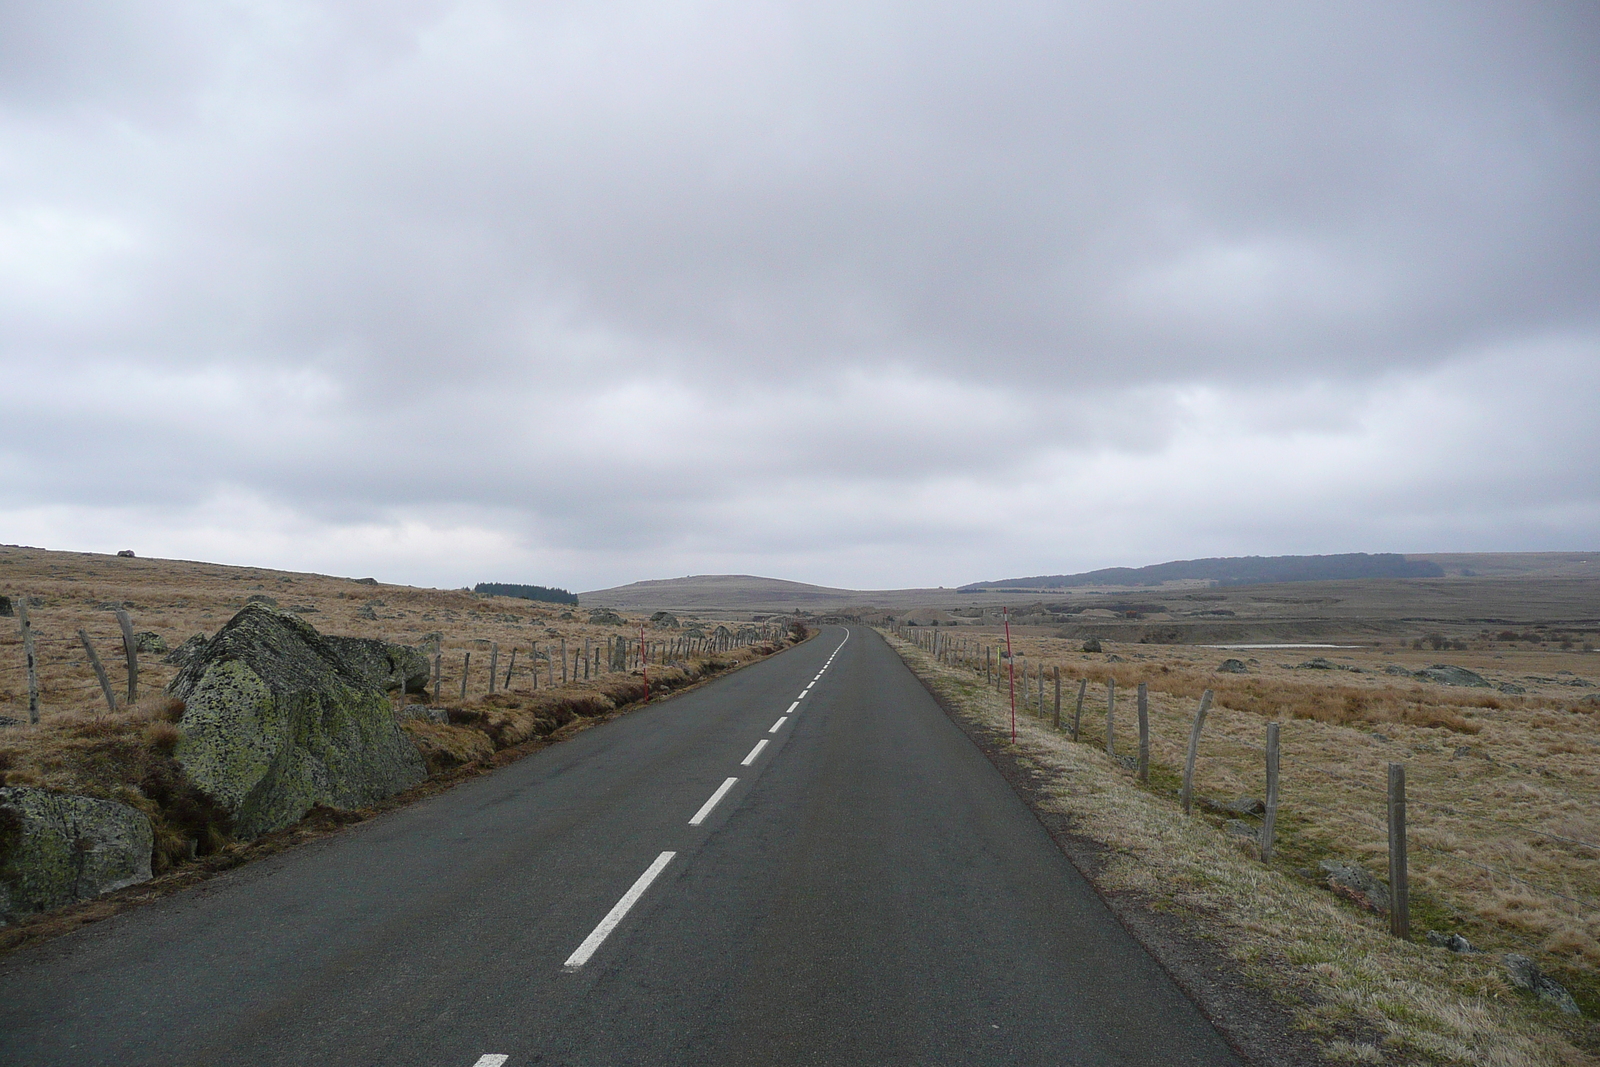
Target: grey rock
pixel 1321 663
pixel 1511 687
pixel 261 598
pixel 606 617
pixel 1245 806
pixel 1355 883
pixel 1232 666
pixel 1579 683
pixel 58 848
pixel 1453 942
pixel 126 553
pixel 365 612
pixel 149 642
pixel 6 610
pixel 1446 674
pixel 276 721
pixel 1526 976
pixel 305 609
pixel 1114 658
pixel 382 664
pixel 365 581
pixel 1461 752
pixel 1092 645
pixel 186 651
pixel 1396 670
pixel 6 720
pixel 1240 828
pixel 664 620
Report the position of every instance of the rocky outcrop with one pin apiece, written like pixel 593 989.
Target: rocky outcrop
pixel 382 664
pixel 664 620
pixel 606 617
pixel 275 721
pixel 1232 666
pixel 58 848
pixel 1445 674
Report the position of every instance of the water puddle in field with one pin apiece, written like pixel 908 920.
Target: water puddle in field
pixel 1282 646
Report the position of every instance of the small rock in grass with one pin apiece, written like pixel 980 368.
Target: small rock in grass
pixel 1232 666
pixel 1092 645
pixel 1526 976
pixel 1240 828
pixel 1397 670
pixel 1446 674
pixel 1355 883
pixel 1453 942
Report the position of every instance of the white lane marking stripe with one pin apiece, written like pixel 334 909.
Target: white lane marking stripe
pixel 613 917
pixel 705 809
pixel 491 1059
pixel 781 720
pixel 796 704
pixel 801 697
pixel 754 752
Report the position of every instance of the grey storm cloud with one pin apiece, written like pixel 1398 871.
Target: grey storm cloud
pixel 862 293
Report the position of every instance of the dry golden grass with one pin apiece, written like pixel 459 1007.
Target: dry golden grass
pixel 1485 771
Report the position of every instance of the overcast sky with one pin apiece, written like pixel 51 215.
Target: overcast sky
pixel 865 294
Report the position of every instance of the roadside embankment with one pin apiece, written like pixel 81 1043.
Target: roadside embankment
pixel 271 733
pixel 1363 995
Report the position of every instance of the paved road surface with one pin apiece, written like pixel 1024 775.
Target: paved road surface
pixel 868 891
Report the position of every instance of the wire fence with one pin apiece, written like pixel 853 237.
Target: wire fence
pixel 997 671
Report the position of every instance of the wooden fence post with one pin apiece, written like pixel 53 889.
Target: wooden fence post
pixel 1269 822
pixel 494 664
pixel 1144 733
pixel 563 662
pixel 26 627
pixel 1111 716
pixel 466 666
pixel 1040 705
pixel 1187 795
pixel 99 671
pixel 1077 712
pixel 1058 698
pixel 131 647
pixel 438 673
pixel 511 669
pixel 1399 882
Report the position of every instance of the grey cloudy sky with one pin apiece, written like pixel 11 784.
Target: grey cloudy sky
pixel 869 294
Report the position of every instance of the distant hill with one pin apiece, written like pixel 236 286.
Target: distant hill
pixel 1234 570
pixel 709 591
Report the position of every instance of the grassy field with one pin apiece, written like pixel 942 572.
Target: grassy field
pixel 1505 824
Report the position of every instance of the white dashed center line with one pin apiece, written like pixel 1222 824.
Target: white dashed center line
pixel 491 1059
pixel 754 752
pixel 705 809
pixel 779 724
pixel 796 704
pixel 597 937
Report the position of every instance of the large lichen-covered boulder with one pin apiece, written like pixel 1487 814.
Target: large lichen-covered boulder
pixel 383 664
pixel 58 848
pixel 275 721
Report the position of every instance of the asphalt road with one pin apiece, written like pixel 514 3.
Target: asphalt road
pixel 869 891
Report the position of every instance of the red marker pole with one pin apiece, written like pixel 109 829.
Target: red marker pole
pixel 1011 672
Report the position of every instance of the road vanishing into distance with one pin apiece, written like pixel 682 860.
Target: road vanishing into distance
pixel 805 862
